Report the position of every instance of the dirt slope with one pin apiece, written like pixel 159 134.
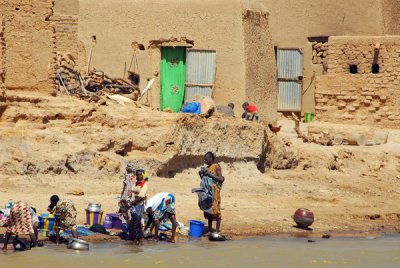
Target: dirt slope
pixel 54 145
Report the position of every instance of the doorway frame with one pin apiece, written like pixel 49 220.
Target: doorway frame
pixel 155 59
pixel 298 79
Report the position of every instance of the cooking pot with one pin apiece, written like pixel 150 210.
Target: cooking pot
pixel 77 244
pixel 94 207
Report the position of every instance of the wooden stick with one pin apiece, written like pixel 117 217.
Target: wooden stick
pixel 82 86
pixel 59 87
pixel 62 82
pixel 91 52
pixel 199 85
pixel 148 86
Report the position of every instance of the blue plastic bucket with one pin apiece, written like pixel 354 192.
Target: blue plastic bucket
pixel 46 222
pixel 196 228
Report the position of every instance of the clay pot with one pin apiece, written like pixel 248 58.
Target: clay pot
pixel 303 217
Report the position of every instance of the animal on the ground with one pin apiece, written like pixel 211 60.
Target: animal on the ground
pixel 274 129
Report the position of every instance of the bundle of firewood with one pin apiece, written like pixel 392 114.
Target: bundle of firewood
pixel 68 78
pixel 70 81
pixel 98 80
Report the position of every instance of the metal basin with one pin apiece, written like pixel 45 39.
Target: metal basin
pixel 216 237
pixel 77 244
pixel 94 207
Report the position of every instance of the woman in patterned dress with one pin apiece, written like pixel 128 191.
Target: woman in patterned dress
pixel 137 207
pixel 65 213
pixel 126 194
pixel 214 171
pixel 20 222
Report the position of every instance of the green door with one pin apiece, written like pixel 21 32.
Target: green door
pixel 173 73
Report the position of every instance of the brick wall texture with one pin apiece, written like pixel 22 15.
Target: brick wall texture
pixel 27 37
pixel 365 97
pixel 30 36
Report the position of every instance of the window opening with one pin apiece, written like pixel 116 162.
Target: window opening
pixel 353 68
pixel 375 68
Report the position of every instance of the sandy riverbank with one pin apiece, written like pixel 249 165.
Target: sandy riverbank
pixel 254 203
pixel 50 148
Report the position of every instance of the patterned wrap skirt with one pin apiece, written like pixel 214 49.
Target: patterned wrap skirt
pixel 20 219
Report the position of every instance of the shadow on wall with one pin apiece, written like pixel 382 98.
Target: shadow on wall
pixel 180 163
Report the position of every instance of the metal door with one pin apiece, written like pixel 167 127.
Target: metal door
pixel 200 73
pixel 290 79
pixel 173 72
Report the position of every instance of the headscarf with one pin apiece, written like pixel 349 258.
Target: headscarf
pixel 145 178
pixel 167 205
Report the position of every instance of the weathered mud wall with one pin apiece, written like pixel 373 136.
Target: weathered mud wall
pixel 260 63
pixel 65 22
pixel 366 97
pixel 2 51
pixel 28 39
pixel 31 32
pixel 391 16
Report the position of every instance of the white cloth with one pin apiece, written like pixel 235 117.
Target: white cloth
pixel 129 182
pixel 35 218
pixel 155 201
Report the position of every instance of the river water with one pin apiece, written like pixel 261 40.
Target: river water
pixel 255 252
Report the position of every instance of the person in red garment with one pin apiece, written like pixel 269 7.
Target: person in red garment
pixel 250 112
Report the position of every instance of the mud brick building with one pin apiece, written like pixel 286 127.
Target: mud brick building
pixel 362 84
pixel 271 53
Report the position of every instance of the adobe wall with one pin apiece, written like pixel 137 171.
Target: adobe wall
pixel 261 80
pixel 2 51
pixel 293 21
pixel 210 24
pixel 27 37
pixel 391 16
pixel 366 97
pixel 31 32
pixel 65 21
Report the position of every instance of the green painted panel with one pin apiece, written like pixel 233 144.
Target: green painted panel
pixel 173 73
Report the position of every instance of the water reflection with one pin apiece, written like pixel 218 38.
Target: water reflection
pixel 258 252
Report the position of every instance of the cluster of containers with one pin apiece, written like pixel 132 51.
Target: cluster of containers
pixel 94 215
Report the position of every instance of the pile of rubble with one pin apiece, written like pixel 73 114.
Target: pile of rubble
pixel 70 81
pixel 319 52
